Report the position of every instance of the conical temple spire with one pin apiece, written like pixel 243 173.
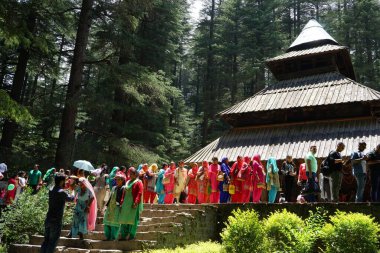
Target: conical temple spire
pixel 312 35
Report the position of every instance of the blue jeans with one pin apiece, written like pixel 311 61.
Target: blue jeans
pixel 375 185
pixel 360 181
pixel 52 233
pixel 311 181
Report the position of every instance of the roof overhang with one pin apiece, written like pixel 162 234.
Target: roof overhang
pixel 293 139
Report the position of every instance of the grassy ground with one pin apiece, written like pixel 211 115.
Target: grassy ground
pixel 201 247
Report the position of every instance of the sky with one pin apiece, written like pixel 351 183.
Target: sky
pixel 196 6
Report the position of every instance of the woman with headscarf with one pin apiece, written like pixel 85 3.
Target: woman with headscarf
pixel 202 179
pixel 258 178
pixel 132 206
pixel 213 171
pixel 48 178
pixel 10 195
pixel 169 183
pixel 272 179
pixel 235 169
pixel 246 183
pixel 111 216
pixel 100 188
pixel 223 185
pixel 150 179
pixel 180 176
pixel 85 210
pixel 111 177
pixel 192 186
pixel 160 189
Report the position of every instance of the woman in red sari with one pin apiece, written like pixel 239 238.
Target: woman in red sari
pixel 236 167
pixel 214 168
pixel 247 183
pixel 192 186
pixel 202 179
pixel 169 187
pixel 11 194
pixel 258 178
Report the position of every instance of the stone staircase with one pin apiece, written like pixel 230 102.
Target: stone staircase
pixel 160 226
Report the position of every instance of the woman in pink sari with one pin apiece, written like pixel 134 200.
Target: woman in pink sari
pixel 247 183
pixel 258 178
pixel 192 186
pixel 213 170
pixel 236 167
pixel 169 187
pixel 202 179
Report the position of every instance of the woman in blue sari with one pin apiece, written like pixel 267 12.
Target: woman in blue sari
pixel 159 184
pixel 85 210
pixel 223 185
pixel 272 179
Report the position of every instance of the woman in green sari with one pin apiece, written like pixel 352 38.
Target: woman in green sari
pixel 132 206
pixel 111 217
pixel 111 177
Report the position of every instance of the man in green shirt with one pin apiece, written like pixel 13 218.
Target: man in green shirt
pixel 35 178
pixel 311 173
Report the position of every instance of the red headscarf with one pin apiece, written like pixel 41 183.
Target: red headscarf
pixel 257 158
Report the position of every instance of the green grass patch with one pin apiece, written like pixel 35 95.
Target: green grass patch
pixel 200 247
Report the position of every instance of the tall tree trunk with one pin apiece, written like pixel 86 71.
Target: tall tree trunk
pixel 67 131
pixel 3 69
pixel 197 93
pixel 54 82
pixel 235 55
pixel 10 127
pixel 209 82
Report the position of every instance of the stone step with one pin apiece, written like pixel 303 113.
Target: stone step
pixel 146 235
pixel 175 206
pixel 165 226
pixel 178 218
pixel 150 213
pixel 27 248
pixel 132 245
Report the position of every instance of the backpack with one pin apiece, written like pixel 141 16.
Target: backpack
pixel 325 166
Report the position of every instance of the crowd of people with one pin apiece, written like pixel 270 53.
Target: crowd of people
pixel 222 182
pixel 119 194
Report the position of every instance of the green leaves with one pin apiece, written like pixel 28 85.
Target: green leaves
pixel 244 233
pixel 351 232
pixel 11 110
pixel 27 217
pixel 286 232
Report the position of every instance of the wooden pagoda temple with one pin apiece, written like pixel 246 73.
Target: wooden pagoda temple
pixel 316 100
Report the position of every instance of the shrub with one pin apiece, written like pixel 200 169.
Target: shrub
pixel 350 232
pixel 3 249
pixel 287 232
pixel 244 233
pixel 200 247
pixel 314 224
pixel 27 217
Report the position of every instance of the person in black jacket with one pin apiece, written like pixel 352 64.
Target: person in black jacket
pixel 336 164
pixel 289 174
pixel 53 221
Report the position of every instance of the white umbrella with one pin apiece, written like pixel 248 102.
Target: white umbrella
pixel 3 167
pixel 83 165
